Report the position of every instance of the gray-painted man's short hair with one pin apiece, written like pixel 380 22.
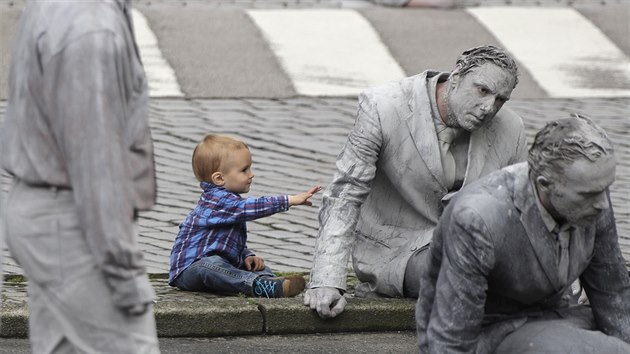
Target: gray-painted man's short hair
pixel 475 57
pixel 561 142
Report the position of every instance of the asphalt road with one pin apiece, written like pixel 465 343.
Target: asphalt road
pixel 219 52
pixel 348 343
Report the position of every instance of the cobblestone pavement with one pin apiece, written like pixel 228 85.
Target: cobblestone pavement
pixel 294 143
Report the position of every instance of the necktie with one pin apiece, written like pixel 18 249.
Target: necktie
pixel 564 238
pixel 445 138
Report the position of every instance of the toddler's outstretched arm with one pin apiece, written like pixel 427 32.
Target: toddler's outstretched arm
pixel 303 198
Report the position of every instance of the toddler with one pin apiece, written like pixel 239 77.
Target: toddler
pixel 210 252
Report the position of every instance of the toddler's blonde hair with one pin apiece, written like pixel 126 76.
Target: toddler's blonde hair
pixel 211 152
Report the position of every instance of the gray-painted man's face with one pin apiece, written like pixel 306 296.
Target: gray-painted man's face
pixel 475 98
pixel 578 195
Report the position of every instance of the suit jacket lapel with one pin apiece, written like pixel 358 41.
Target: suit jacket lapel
pixel 537 233
pixel 580 250
pixel 422 128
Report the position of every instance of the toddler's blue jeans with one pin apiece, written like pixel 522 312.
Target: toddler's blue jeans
pixel 216 275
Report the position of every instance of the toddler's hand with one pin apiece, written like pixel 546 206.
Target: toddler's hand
pixel 303 198
pixel 254 263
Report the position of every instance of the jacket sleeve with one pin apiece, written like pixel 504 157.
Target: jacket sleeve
pixel 607 283
pixel 456 314
pixel 342 200
pixel 516 130
pixel 84 95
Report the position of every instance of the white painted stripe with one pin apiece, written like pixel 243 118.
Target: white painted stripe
pixel 327 52
pixel 161 77
pixel 565 53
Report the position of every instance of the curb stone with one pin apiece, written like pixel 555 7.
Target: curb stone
pixel 192 314
pixel 217 317
pixel 221 317
pixel 290 316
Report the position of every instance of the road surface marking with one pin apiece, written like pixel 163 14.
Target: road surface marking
pixel 565 53
pixel 327 52
pixel 161 76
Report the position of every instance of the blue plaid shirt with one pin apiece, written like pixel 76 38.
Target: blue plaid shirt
pixel 217 227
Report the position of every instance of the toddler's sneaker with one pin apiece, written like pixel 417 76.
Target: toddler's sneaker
pixel 279 286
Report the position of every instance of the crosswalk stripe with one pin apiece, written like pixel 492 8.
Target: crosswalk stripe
pixel 565 53
pixel 160 75
pixel 327 52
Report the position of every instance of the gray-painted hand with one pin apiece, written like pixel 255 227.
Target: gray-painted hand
pixel 327 301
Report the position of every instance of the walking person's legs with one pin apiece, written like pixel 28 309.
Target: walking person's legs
pixel 70 302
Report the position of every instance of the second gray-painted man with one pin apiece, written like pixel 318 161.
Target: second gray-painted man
pixel 498 268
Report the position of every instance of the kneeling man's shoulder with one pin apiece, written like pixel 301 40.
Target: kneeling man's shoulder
pixel 508 120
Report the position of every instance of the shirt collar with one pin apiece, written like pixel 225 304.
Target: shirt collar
pixel 206 186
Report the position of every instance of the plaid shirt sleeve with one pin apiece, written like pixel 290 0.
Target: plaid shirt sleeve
pixel 232 209
pixel 247 253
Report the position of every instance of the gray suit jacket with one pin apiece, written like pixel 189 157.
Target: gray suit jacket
pixel 493 264
pixel 387 194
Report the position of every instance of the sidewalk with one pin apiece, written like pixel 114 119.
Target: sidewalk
pixel 188 314
pixel 294 143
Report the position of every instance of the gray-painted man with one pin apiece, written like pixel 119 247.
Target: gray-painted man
pixel 77 141
pixel 414 144
pixel 508 248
